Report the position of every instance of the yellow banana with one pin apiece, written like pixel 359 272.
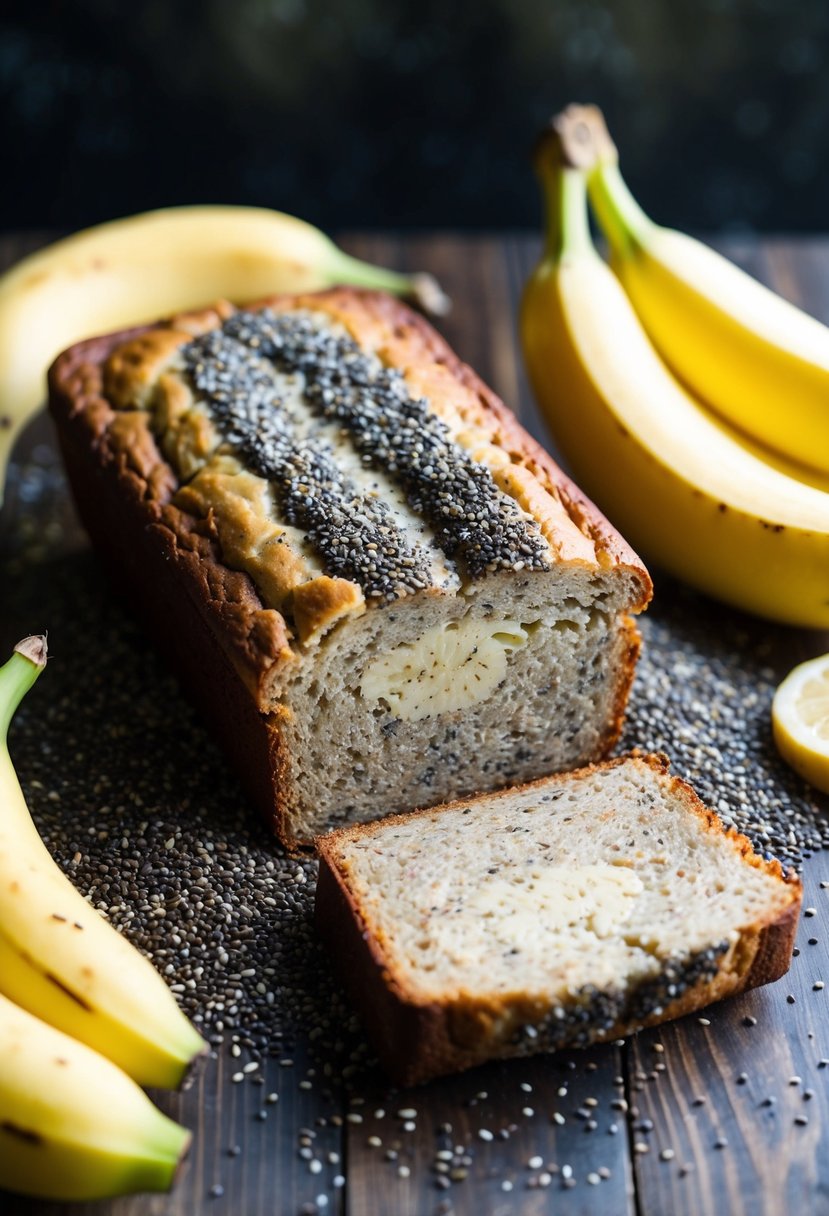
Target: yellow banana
pixel 147 266
pixel 669 476
pixel 72 1125
pixel 59 959
pixel 753 357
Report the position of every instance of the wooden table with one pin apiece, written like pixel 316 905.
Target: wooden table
pixel 694 1118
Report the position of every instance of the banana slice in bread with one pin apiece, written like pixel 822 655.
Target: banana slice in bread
pixel 450 667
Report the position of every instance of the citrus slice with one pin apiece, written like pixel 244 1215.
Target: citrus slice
pixel 800 721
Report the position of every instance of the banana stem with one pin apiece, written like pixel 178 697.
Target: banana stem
pixel 423 289
pixel 18 675
pixel 623 221
pixel 567 226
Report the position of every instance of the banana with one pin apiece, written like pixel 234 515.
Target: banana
pixel 449 667
pixel 59 959
pixel 72 1125
pixel 146 266
pixel 658 463
pixel 753 357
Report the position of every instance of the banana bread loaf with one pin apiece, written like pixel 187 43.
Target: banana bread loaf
pixel 369 575
pixel 573 910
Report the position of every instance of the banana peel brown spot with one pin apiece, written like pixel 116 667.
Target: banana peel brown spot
pixel 22 1133
pixel 84 1004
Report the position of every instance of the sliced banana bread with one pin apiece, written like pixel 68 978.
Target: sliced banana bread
pixel 369 574
pixel 575 909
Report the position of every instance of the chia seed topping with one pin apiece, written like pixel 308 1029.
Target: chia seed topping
pixel 473 520
pixel 354 533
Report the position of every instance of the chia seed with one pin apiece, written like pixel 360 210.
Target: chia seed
pixel 354 533
pixel 473 520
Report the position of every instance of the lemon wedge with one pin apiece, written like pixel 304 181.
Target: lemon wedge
pixel 800 721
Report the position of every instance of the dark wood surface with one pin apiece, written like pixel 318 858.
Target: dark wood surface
pixel 685 1120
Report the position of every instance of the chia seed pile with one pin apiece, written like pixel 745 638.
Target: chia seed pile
pixel 474 522
pixel 139 808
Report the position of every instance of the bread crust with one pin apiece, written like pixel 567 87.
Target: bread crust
pixel 209 619
pixel 417 1039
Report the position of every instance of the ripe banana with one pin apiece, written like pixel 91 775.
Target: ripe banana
pixel 674 481
pixel 58 958
pixel 753 357
pixel 72 1125
pixel 147 266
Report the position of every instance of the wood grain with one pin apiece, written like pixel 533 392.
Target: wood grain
pixel 683 1085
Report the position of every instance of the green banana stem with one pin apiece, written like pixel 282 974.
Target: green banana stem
pixel 18 675
pixel 570 208
pixel 423 289
pixel 623 221
pixel 566 225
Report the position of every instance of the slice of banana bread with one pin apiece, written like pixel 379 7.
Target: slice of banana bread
pixel 575 909
pixel 368 573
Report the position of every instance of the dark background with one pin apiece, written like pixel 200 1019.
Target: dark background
pixel 410 113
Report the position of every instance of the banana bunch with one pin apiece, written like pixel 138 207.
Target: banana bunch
pixel 147 266
pixel 706 501
pixel 72 1124
pixel 761 363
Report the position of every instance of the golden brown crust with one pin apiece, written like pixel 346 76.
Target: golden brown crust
pixel 134 366
pixel 417 1039
pixel 124 490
